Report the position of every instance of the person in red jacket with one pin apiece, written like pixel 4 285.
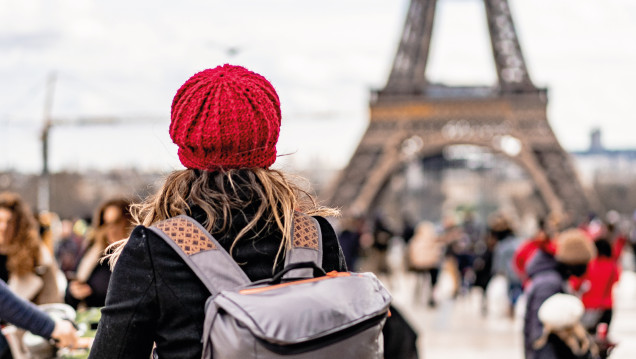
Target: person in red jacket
pixel 596 286
pixel 525 252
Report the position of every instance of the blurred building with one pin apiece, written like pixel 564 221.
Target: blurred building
pixel 611 172
pixel 598 161
pixel 77 195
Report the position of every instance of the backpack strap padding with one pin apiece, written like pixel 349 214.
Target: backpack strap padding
pixel 202 253
pixel 306 244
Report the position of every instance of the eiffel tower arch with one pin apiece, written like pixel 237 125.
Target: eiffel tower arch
pixel 410 109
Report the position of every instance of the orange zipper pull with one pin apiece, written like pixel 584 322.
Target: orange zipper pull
pixel 334 273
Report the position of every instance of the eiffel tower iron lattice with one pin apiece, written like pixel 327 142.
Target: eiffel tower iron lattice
pixel 439 116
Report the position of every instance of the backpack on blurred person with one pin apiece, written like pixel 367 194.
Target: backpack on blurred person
pixel 561 315
pixel 302 312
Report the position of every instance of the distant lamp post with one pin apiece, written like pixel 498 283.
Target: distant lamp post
pixel 44 188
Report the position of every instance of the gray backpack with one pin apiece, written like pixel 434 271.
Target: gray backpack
pixel 302 312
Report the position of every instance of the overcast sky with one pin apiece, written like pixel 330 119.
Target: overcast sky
pixel 127 59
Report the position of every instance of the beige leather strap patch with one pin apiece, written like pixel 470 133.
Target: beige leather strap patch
pixel 186 235
pixel 305 231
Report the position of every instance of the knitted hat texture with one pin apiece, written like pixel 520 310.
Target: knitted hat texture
pixel 574 247
pixel 226 117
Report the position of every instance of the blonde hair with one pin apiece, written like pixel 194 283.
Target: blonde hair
pixel 221 193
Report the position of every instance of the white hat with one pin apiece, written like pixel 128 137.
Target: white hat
pixel 561 311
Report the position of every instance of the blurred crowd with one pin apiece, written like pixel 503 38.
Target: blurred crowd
pixel 46 259
pixel 460 255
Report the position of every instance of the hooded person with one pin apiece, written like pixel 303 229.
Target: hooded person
pixel 548 275
pixel 225 122
pixel 561 318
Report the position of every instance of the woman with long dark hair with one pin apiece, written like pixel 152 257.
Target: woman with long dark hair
pixel 26 264
pixel 89 283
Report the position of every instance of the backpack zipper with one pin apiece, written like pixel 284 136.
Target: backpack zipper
pixel 330 275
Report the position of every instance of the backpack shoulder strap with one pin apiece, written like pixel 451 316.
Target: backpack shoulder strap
pixel 306 244
pixel 202 253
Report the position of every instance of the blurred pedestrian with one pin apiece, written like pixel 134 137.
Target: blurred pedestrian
pixel 425 254
pixel 608 229
pixel 454 264
pixel 225 122
pixel 482 266
pixel 89 283
pixel 68 248
pixel 596 286
pixel 473 231
pixel 632 236
pixel 549 274
pixel 408 229
pixel 463 247
pixel 616 238
pixel 50 229
pixel 507 244
pixel 377 253
pixel 541 241
pixel 349 238
pixel 560 316
pixel 26 264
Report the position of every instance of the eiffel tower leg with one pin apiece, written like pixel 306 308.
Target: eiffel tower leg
pixel 376 157
pixel 391 159
pixel 527 159
pixel 563 179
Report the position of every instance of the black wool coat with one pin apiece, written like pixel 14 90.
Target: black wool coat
pixel 154 297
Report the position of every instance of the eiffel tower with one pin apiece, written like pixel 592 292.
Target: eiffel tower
pixel 436 116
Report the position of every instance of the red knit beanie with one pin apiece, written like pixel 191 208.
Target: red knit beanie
pixel 226 117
